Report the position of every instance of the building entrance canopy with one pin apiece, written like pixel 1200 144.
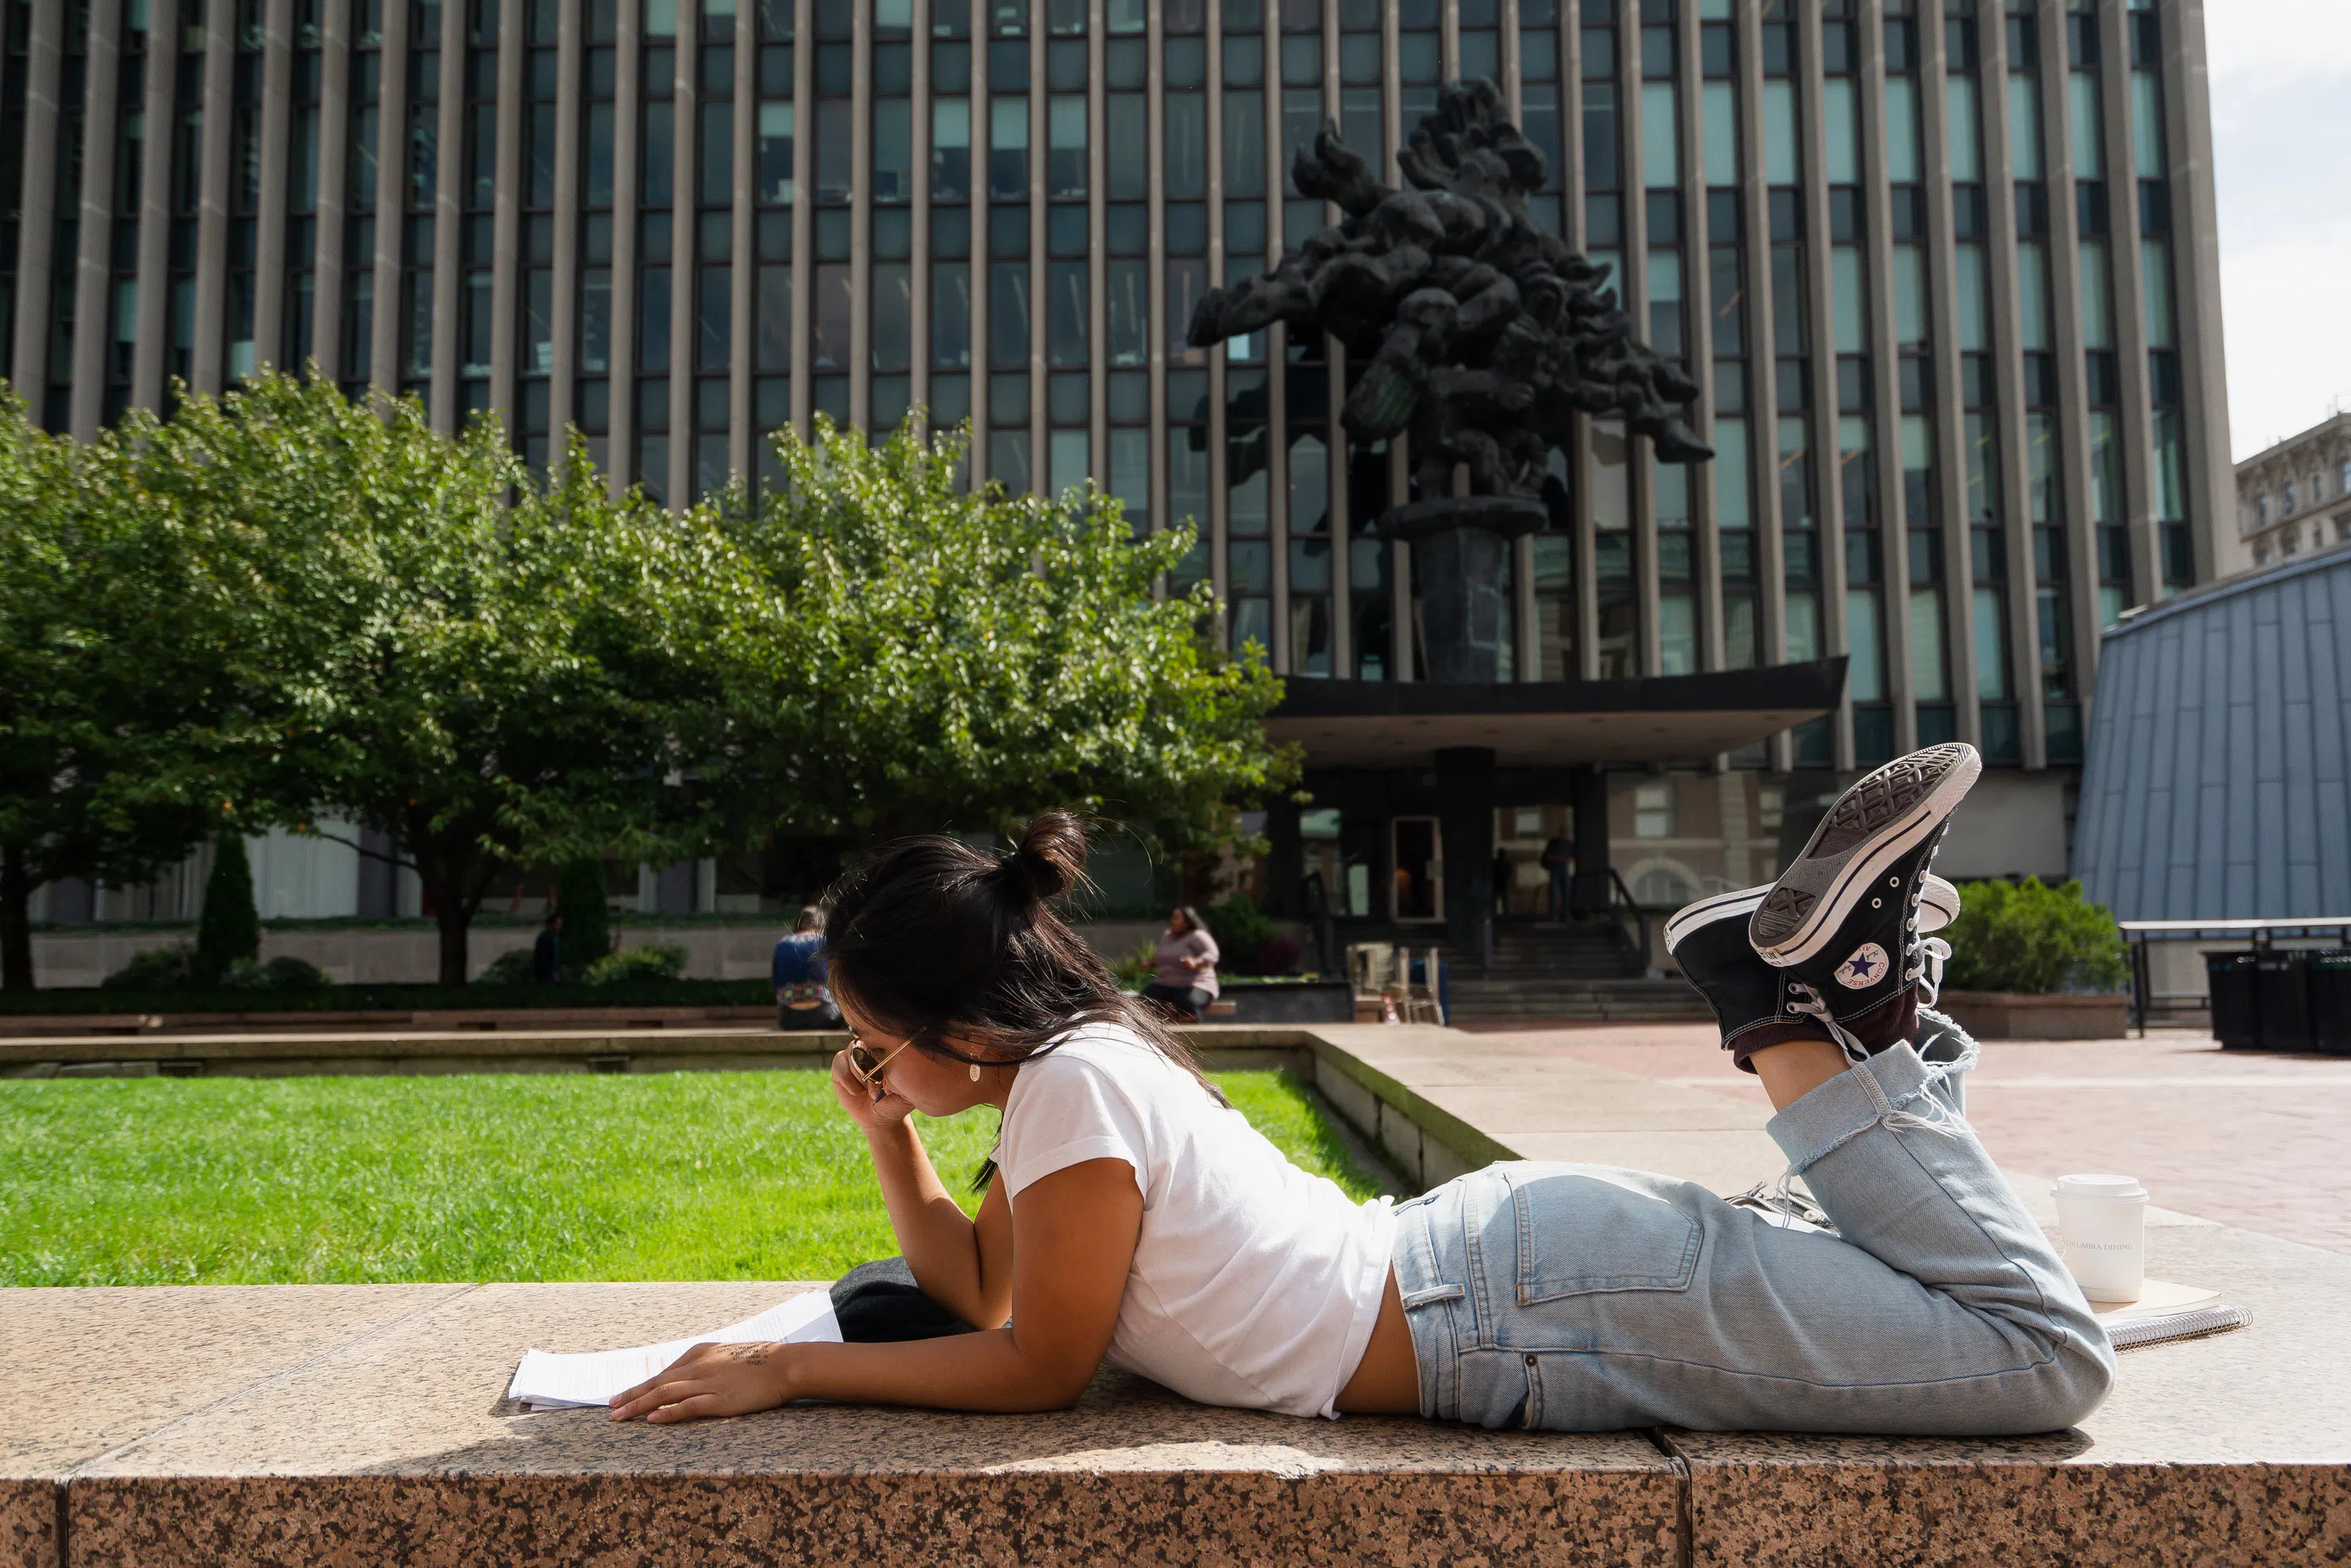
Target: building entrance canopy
pixel 1372 724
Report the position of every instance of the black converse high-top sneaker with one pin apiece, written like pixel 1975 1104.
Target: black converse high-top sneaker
pixel 1843 921
pixel 1751 1000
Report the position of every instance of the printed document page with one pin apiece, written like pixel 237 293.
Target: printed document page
pixel 548 1381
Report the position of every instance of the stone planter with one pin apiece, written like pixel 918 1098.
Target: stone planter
pixel 2015 1015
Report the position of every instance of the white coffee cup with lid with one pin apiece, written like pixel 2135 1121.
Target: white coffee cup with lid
pixel 2104 1221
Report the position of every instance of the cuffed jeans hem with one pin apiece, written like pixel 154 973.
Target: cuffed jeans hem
pixel 1890 1083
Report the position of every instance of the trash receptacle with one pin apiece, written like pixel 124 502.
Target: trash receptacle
pixel 2330 1002
pixel 2282 982
pixel 2236 1017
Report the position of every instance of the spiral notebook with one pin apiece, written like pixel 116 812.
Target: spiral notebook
pixel 2166 1312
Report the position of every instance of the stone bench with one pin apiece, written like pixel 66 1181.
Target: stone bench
pixel 364 1426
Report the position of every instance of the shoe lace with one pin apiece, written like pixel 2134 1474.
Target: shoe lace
pixel 1923 958
pixel 1809 1001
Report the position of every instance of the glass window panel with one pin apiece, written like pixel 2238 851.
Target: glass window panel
pixel 1129 146
pixel 772 347
pixel 652 320
pixel 1959 113
pixel 1066 329
pixel 1008 315
pixel 1865 677
pixel 1186 150
pixel 2147 125
pixel 1967 287
pixel 1244 144
pixel 835 163
pixel 1840 133
pixel 1130 476
pixel 1991 646
pixel 1310 488
pixel 893 149
pixel 1600 152
pixel 1779 144
pixel 2033 294
pixel 828 341
pixel 951 315
pixel 1677 634
pixel 1661 138
pixel 894 312
pixel 1007 147
pixel 1930 678
pixel 718 151
pixel 1902 130
pixel 1731 504
pixel 659 155
pixel 596 319
pixel 1129 283
pixel 1718 110
pixel 1065 133
pixel 1804 626
pixel 951 149
pixel 1847 300
pixel 2024 127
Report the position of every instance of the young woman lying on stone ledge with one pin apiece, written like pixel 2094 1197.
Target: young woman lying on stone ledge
pixel 1131 1214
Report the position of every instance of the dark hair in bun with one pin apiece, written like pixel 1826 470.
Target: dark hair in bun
pixel 1051 858
pixel 961 953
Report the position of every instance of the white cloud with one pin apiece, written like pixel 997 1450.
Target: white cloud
pixel 2280 77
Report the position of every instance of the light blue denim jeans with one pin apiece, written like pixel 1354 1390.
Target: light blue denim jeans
pixel 1582 1298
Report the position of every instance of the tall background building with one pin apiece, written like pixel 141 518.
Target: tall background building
pixel 1945 271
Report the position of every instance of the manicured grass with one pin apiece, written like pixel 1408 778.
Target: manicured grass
pixel 683 1175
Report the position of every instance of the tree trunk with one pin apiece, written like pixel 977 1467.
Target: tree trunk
pixel 15 921
pixel 451 918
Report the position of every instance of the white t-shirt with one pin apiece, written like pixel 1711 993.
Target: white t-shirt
pixel 1254 1284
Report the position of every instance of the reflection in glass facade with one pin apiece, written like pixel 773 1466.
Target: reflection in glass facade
pixel 1928 258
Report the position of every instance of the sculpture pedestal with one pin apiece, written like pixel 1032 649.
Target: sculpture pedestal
pixel 1461 576
pixel 1462 579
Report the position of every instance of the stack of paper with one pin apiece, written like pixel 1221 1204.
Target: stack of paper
pixel 547 1382
pixel 2166 1312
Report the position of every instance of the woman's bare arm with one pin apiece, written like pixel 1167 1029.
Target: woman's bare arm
pixel 963 1264
pixel 1074 1234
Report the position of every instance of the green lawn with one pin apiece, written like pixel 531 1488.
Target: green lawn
pixel 681 1175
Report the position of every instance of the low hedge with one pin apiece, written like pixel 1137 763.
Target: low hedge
pixel 393 997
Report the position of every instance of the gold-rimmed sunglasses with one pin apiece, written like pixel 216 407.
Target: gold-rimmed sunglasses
pixel 866 1064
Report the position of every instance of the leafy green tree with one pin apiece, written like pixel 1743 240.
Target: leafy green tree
pixel 2030 938
pixel 112 692
pixel 229 931
pixel 948 659
pixel 483 671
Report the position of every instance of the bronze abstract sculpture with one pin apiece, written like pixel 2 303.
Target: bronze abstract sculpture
pixel 1480 338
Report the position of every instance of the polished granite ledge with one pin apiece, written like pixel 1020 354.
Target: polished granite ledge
pixel 364 1427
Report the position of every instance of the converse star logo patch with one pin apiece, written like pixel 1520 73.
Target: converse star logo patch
pixel 1866 968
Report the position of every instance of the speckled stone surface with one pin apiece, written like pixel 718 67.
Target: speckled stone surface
pixel 90 1370
pixel 2230 1450
pixel 402 1451
pixel 28 1524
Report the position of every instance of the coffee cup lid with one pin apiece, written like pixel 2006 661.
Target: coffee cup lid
pixel 2108 1186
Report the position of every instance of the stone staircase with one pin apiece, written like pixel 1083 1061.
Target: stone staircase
pixel 1576 971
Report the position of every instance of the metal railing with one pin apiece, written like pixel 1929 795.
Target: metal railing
pixel 2260 934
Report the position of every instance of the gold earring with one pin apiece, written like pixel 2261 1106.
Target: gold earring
pixel 975 1072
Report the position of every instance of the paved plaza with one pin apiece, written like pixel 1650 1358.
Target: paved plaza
pixel 2248 1138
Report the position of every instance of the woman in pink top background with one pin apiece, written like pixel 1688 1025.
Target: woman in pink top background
pixel 1183 969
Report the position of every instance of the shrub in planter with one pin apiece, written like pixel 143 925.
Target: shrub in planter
pixel 655 961
pixel 284 973
pixel 2031 939
pixel 1241 930
pixel 156 969
pixel 228 933
pixel 511 967
pixel 1279 957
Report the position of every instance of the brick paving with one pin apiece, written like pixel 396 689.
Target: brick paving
pixel 2249 1138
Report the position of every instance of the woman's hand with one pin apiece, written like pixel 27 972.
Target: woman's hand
pixel 709 1380
pixel 868 1105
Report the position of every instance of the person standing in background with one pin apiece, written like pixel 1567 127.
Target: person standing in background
pixel 1184 969
pixel 1504 870
pixel 1559 859
pixel 546 952
pixel 803 1000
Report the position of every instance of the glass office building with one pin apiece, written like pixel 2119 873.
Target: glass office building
pixel 1944 270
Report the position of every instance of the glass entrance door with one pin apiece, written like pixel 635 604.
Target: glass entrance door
pixel 1419 856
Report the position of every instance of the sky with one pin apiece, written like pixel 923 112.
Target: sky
pixel 2280 77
